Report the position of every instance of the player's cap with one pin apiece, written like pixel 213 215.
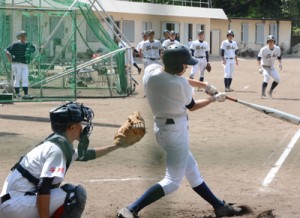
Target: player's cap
pixel 150 32
pixel 21 33
pixel 68 114
pixel 271 38
pixel 172 32
pixel 144 33
pixel 230 32
pixel 200 32
pixel 175 56
pixel 166 31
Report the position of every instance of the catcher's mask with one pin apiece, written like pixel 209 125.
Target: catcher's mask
pixel 68 114
pixel 271 38
pixel 175 56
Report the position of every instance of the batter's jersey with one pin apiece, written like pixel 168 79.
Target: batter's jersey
pixel 169 42
pixel 21 52
pixel 200 48
pixel 45 160
pixel 166 93
pixel 268 56
pixel 151 49
pixel 229 48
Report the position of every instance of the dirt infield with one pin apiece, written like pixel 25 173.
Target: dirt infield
pixel 235 148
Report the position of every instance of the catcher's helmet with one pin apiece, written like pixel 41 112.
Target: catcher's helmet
pixel 175 56
pixel 230 32
pixel 68 114
pixel 200 32
pixel 271 38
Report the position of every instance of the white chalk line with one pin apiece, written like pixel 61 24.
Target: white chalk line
pixel 121 180
pixel 272 173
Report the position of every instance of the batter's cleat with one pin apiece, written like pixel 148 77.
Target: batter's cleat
pixel 264 96
pixel 230 89
pixel 139 70
pixel 126 213
pixel 227 90
pixel 228 210
pixel 270 93
pixel 27 97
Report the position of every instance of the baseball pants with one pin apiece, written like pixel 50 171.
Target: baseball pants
pixel 174 139
pixel 269 72
pixel 201 65
pixel 24 206
pixel 229 68
pixel 21 74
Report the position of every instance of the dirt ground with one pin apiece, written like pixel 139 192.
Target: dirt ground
pixel 235 148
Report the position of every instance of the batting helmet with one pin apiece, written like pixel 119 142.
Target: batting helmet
pixel 175 56
pixel 21 33
pixel 68 114
pixel 271 38
pixel 200 32
pixel 230 32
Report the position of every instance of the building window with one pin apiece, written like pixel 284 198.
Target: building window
pixel 59 33
pixel 128 29
pixel 30 25
pixel 245 33
pixel 273 30
pixel 90 35
pixel 146 26
pixel 259 33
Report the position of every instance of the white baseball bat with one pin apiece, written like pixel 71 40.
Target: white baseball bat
pixel 269 111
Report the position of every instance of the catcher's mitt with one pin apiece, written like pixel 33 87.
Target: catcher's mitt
pixel 131 131
pixel 208 67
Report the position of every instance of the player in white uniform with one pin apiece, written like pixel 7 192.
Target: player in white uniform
pixel 32 188
pixel 170 95
pixel 166 35
pixel 229 50
pixel 266 58
pixel 151 50
pixel 129 53
pixel 171 40
pixel 199 49
pixel 19 54
pixel 140 45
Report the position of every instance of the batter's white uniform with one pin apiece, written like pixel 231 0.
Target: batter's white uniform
pixel 45 160
pixel 151 52
pixel 268 58
pixel 169 42
pixel 168 96
pixel 229 55
pixel 200 49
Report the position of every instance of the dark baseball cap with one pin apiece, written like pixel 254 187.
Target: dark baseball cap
pixel 22 33
pixel 166 31
pixel 144 33
pixel 172 32
pixel 150 31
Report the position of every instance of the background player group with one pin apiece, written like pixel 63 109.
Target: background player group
pixel 151 50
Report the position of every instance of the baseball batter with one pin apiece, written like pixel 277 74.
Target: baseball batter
pixel 19 55
pixel 229 50
pixel 151 50
pixel 199 49
pixel 266 59
pixel 170 95
pixel 32 188
pixel 171 40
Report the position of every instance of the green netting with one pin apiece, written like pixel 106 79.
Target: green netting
pixel 76 53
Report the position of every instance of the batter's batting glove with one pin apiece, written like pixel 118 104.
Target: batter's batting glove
pixel 220 97
pixel 210 89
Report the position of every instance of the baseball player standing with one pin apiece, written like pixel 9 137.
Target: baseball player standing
pixel 200 49
pixel 32 188
pixel 170 95
pixel 266 58
pixel 129 55
pixel 166 35
pixel 229 50
pixel 19 55
pixel 171 40
pixel 151 50
pixel 140 45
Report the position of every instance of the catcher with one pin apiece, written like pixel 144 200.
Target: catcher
pixel 32 188
pixel 199 49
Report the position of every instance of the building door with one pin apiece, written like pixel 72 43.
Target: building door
pixel 215 42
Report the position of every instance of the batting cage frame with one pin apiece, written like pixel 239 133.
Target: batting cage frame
pixel 76 53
